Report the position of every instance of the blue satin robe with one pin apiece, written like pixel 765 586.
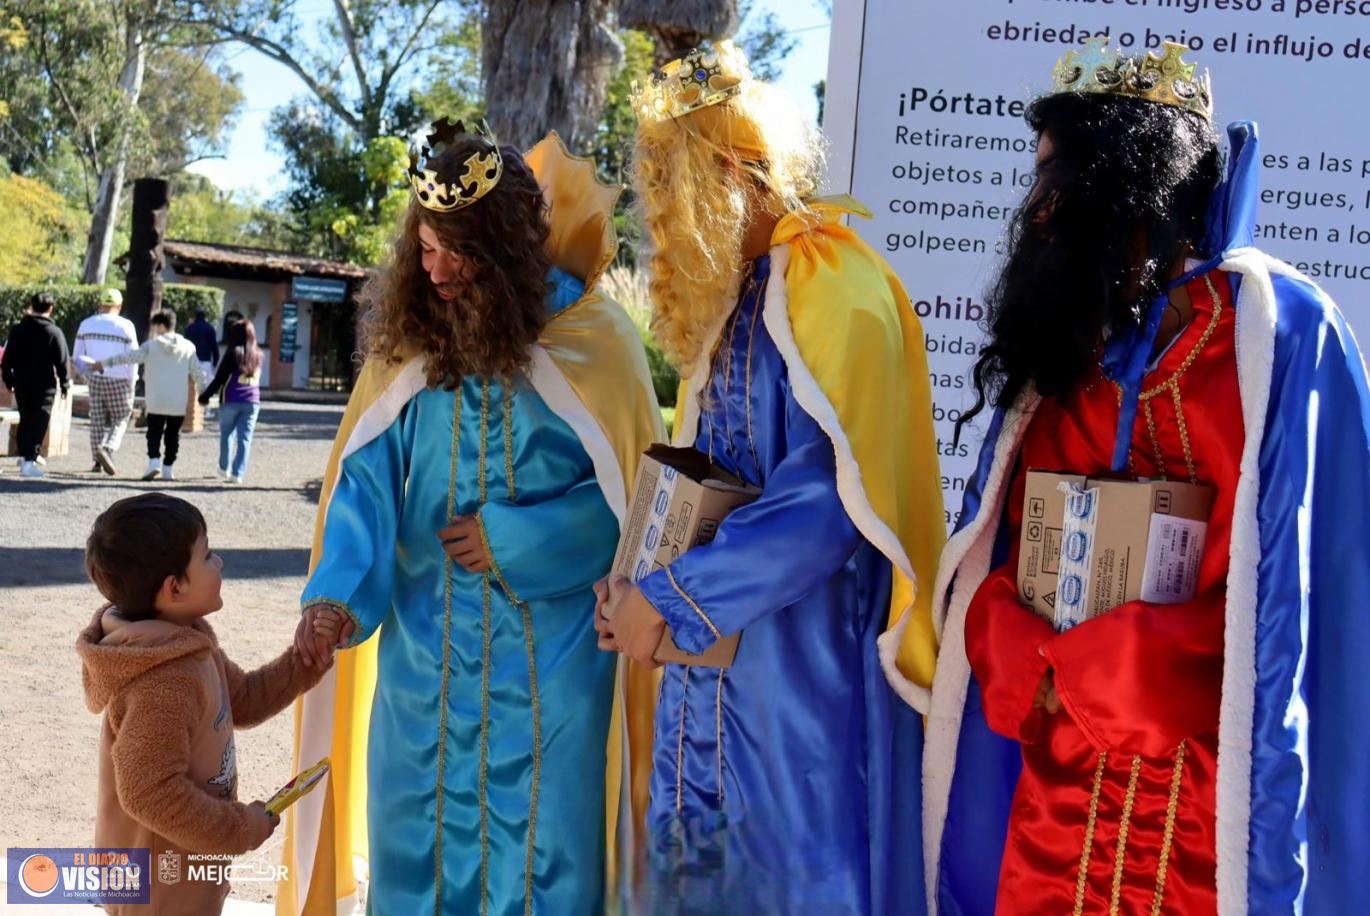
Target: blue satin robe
pixel 788 783
pixel 552 535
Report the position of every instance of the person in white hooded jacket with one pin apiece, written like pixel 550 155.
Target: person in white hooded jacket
pixel 168 360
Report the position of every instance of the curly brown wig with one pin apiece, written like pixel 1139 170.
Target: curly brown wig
pixel 491 327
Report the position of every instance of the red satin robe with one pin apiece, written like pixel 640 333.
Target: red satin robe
pixel 1114 810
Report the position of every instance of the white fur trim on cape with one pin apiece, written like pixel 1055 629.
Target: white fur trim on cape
pixel 967 558
pixel 966 561
pixel 810 397
pixel 316 720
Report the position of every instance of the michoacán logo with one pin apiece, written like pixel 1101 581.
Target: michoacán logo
pixel 78 875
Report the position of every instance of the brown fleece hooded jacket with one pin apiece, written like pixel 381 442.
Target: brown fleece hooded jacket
pixel 168 773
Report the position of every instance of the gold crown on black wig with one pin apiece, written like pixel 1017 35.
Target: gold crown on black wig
pixel 1166 79
pixel 483 168
pixel 697 80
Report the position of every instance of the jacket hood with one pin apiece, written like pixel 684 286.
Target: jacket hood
pixel 173 342
pixel 116 651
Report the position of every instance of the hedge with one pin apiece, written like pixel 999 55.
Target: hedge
pixel 75 303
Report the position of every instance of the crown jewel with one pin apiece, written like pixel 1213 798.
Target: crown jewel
pixel 701 78
pixel 1166 79
pixel 482 172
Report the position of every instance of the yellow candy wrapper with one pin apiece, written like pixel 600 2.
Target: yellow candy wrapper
pixel 297 788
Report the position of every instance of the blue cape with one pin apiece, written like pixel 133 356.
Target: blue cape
pixel 1294 757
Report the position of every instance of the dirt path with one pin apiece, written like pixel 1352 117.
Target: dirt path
pixel 48 740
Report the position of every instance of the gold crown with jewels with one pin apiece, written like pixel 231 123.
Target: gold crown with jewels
pixel 701 78
pixel 1166 79
pixel 483 168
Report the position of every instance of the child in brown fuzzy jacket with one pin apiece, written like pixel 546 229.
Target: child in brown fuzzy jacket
pixel 171 699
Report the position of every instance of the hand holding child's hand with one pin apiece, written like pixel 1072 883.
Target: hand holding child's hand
pixel 322 629
pixel 260 824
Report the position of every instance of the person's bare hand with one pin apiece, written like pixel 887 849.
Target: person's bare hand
pixel 602 625
pixel 322 628
pixel 630 623
pixel 261 824
pixel 462 542
pixel 1046 697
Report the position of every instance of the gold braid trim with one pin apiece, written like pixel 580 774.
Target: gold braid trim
pixel 718 726
pixel 680 742
pixel 751 341
pixel 485 669
pixel 1123 827
pixel 446 658
pixel 1082 876
pixel 509 443
pixel 1171 806
pixel 670 576
pixel 1172 386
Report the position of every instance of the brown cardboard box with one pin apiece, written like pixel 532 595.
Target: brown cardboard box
pixel 1107 543
pixel 678 502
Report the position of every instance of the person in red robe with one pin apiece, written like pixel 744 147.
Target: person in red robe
pixel 1203 757
pixel 1114 810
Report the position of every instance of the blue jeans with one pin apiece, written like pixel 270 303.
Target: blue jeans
pixel 236 420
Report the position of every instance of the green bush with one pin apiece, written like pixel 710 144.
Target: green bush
pixel 75 303
pixel 665 379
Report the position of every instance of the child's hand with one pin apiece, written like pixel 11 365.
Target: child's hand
pixel 315 646
pixel 331 630
pixel 261 824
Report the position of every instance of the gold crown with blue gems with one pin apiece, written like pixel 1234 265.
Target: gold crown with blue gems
pixel 483 168
pixel 1166 80
pixel 704 77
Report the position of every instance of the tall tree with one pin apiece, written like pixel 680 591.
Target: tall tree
pixel 108 88
pixel 679 25
pixel 546 65
pixel 356 60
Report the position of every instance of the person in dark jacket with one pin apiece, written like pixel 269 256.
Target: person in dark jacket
pixel 34 367
pixel 201 333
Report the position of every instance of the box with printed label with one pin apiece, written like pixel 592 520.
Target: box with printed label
pixel 678 501
pixel 1088 545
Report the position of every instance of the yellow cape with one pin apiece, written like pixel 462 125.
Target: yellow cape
pixel 855 355
pixel 596 379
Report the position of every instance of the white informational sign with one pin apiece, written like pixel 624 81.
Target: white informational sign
pixel 924 114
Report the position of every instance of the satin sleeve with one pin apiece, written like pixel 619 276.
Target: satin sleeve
pixel 1004 643
pixel 551 548
pixel 356 568
pixel 1143 677
pixel 767 554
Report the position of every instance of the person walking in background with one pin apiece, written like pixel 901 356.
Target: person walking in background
pixel 238 384
pixel 103 336
pixel 201 333
pixel 34 367
pixel 170 360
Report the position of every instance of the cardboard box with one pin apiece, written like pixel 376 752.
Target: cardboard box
pixel 57 442
pixel 1088 544
pixel 678 502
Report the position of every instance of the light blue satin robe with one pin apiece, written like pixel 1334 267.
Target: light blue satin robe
pixel 498 792
pixel 788 783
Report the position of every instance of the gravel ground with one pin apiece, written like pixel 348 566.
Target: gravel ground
pixel 48 740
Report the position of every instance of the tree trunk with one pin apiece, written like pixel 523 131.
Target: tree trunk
pixel 546 65
pixel 106 214
pixel 143 294
pixel 677 26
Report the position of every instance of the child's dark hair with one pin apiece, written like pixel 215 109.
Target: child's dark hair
pixel 135 544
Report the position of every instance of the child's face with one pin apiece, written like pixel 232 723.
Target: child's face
pixel 196 594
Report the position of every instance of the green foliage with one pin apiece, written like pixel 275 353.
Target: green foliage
pixel 42 234
pixel 74 303
pixel 614 136
pixel 200 212
pixel 185 298
pixel 665 378
pixel 765 41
